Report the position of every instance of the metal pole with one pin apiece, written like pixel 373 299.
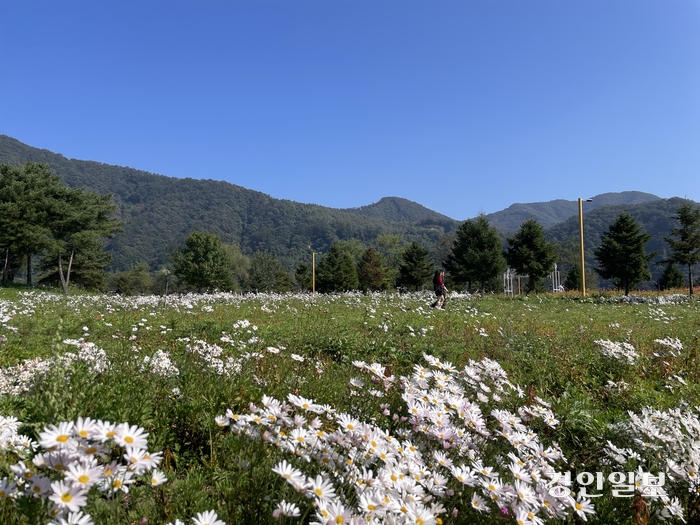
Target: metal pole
pixel 580 233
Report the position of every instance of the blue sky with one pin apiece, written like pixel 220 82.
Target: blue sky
pixel 463 106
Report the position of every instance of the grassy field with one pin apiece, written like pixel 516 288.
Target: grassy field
pixel 477 411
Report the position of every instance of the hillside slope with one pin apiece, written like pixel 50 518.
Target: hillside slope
pixel 159 212
pixel 553 212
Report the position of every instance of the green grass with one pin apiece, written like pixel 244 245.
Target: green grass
pixel 546 345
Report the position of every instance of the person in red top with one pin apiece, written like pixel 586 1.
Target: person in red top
pixel 440 290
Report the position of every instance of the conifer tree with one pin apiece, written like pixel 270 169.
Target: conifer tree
pixel 622 253
pixel 416 267
pixel 303 277
pixel 686 246
pixel 267 274
pixel 370 273
pixel 27 194
pixel 671 278
pixel 529 254
pixel 573 278
pixel 477 255
pixel 336 271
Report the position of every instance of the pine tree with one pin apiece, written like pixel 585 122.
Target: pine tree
pixel 336 271
pixel 27 194
pixel 303 277
pixel 671 278
pixel 573 278
pixel 416 268
pixel 267 274
pixel 370 273
pixel 529 254
pixel 203 262
pixel 622 253
pixel 477 255
pixel 77 221
pixel 686 247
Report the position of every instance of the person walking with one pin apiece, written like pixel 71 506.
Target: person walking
pixel 440 290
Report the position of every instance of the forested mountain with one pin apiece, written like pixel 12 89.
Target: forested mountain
pixel 553 212
pixel 159 212
pixel 656 218
pixel 401 210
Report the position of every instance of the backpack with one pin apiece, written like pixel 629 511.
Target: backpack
pixel 436 278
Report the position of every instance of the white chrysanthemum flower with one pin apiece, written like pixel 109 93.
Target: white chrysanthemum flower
pixel 67 496
pixel 208 517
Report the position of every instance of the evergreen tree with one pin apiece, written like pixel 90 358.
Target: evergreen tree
pixel 26 197
pixel 416 268
pixel 336 271
pixel 622 253
pixel 477 255
pixel 303 277
pixel 529 254
pixel 686 246
pixel 671 278
pixel 388 247
pixel 87 269
pixel 203 262
pixel 267 274
pixel 77 221
pixel 573 278
pixel 370 273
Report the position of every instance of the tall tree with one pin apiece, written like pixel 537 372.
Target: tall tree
pixel 416 267
pixel 529 254
pixel 388 247
pixel 477 254
pixel 370 273
pixel 303 277
pixel 686 246
pixel 26 195
pixel 77 222
pixel 267 274
pixel 203 262
pixel 671 278
pixel 336 271
pixel 622 253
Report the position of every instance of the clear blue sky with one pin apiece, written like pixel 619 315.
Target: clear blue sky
pixel 462 106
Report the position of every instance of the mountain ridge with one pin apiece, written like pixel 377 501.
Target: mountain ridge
pixel 160 211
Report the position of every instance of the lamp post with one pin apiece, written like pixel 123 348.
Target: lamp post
pixel 580 233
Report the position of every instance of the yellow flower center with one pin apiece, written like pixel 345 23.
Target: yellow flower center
pixel 83 433
pixel 62 438
pixel 67 497
pixel 129 439
pixel 84 478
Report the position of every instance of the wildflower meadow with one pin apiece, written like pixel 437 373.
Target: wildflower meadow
pixel 349 408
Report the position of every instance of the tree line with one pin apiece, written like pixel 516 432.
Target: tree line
pixel 61 227
pixel 60 230
pixel 476 260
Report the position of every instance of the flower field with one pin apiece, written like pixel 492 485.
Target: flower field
pixel 226 409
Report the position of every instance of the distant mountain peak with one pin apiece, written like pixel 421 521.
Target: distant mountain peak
pixel 399 209
pixel 553 212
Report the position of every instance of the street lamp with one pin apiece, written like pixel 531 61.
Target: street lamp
pixel 580 233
